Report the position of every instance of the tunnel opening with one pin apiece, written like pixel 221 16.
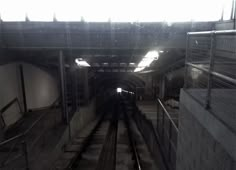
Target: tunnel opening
pixel 118 95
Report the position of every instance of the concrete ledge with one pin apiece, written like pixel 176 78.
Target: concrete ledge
pixel 216 128
pixel 79 121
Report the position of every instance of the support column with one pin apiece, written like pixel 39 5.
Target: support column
pixel 63 87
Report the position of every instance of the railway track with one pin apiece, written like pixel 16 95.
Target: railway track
pixel 112 143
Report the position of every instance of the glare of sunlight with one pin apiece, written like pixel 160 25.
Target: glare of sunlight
pixel 81 63
pixel 147 60
pixel 115 11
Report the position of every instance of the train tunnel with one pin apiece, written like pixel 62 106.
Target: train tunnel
pixel 117 95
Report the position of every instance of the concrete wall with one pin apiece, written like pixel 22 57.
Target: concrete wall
pixel 203 142
pixel 78 122
pixel 10 89
pixel 41 88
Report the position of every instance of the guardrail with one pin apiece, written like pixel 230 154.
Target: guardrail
pixel 210 67
pixel 148 132
pixel 167 131
pixel 19 143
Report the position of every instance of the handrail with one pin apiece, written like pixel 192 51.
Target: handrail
pixel 28 130
pixel 140 119
pixel 168 115
pixel 9 105
pixel 224 77
pixel 212 32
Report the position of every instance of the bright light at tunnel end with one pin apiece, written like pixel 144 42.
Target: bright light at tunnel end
pixel 119 90
pixel 147 60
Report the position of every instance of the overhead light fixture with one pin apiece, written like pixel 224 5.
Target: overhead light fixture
pixel 81 63
pixel 147 60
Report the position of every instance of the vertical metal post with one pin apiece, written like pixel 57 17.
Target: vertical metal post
pixel 158 115
pixel 73 84
pixel 211 66
pixel 76 90
pixel 163 125
pixel 234 14
pixel 25 151
pixel 232 10
pixel 186 61
pixel 63 88
pixel 170 136
pixel 23 87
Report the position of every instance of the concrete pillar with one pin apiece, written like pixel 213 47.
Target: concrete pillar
pixel 63 87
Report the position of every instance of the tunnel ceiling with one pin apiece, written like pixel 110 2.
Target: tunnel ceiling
pixel 108 47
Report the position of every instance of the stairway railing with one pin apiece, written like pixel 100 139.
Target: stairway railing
pixel 20 143
pixel 6 107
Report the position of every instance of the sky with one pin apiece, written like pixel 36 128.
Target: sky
pixel 114 10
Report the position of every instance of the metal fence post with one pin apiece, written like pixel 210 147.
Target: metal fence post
pixel 25 150
pixel 211 65
pixel 186 60
pixel 163 125
pixel 157 115
pixel 170 137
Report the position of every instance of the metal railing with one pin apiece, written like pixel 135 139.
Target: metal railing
pixel 167 131
pixel 210 75
pixel 148 132
pixel 19 146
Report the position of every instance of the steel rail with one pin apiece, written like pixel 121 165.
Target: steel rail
pixel 132 142
pixel 74 162
pixel 107 157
